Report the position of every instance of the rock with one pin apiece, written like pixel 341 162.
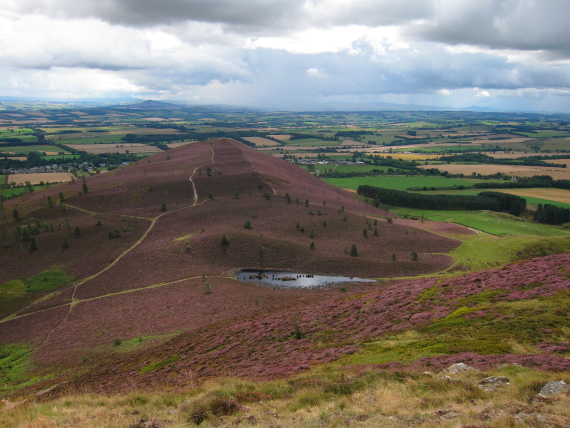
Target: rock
pixel 446 414
pixel 494 380
pixel 458 368
pixel 493 383
pixel 553 387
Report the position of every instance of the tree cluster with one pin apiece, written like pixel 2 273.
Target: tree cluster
pixel 492 201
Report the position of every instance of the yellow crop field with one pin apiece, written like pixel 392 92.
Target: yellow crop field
pixel 46 177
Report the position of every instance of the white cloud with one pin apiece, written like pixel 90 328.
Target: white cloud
pixel 259 51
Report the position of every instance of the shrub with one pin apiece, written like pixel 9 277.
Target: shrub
pixel 115 233
pixel 225 241
pixel 207 289
pixel 247 225
pixel 353 250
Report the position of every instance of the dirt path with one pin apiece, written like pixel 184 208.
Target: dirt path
pixel 75 287
pixel 255 170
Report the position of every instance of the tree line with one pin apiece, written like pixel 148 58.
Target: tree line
pixel 492 201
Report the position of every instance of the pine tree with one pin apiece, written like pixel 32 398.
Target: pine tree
pixel 225 241
pixel 64 241
pixel 33 244
pixel 16 214
pixel 85 189
pixel 353 250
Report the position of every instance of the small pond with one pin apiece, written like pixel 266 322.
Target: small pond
pixel 287 279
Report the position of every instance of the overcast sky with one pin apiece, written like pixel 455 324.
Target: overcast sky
pixel 291 54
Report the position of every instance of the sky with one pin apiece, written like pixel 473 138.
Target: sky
pixel 291 55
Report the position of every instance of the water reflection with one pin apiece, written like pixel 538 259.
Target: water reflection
pixel 287 279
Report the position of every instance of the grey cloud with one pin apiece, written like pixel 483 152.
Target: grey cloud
pixel 501 24
pixel 250 14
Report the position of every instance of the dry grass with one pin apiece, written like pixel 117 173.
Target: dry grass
pixel 46 177
pixel 313 400
pixel 560 195
pixel 283 137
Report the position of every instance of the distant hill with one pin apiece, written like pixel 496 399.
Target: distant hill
pixel 151 105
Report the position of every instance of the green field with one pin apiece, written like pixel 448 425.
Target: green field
pixel 399 182
pixel 495 223
pixel 60 157
pixel 16 191
pixel 308 142
pixel 27 149
pixel 24 134
pixel 3 180
pixel 95 138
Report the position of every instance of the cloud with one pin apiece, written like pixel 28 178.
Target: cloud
pixel 538 25
pixel 267 51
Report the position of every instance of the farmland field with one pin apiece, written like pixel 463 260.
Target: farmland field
pixel 46 177
pixel 115 148
pixel 3 179
pixel 15 191
pixel 559 195
pixel 304 142
pixel 493 223
pixel 283 137
pixel 261 142
pixel 27 149
pixel 521 171
pixel 399 182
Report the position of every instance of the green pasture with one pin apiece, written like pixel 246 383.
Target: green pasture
pixel 24 134
pixel 487 221
pixel 309 142
pixel 88 138
pixel 544 134
pixel 555 144
pixel 481 252
pixel 27 149
pixel 3 180
pixel 400 182
pixel 17 191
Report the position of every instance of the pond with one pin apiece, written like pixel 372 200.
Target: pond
pixel 287 279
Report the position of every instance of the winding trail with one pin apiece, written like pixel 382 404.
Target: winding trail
pixel 75 301
pixel 255 170
pixel 153 222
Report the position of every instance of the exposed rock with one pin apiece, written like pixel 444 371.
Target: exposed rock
pixel 493 383
pixel 553 387
pixel 458 368
pixel 446 414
